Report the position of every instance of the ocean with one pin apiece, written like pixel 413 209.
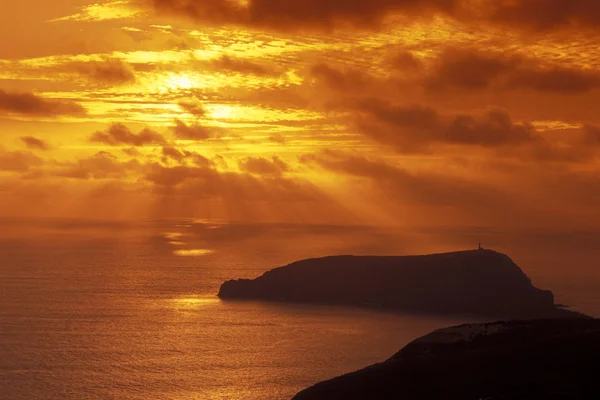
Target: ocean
pixel 92 310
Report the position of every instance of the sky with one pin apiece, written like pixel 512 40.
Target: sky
pixel 448 113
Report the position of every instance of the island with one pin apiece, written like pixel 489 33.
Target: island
pixel 480 282
pixel 514 360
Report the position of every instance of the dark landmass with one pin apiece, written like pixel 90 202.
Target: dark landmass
pixel 517 360
pixel 479 282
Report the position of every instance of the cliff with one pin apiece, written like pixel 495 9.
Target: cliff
pixel 480 282
pixel 517 360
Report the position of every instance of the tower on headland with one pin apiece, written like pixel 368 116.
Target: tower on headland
pixel 479 246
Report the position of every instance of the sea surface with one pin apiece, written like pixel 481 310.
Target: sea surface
pixel 94 310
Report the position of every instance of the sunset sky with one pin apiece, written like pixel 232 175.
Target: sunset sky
pixel 383 112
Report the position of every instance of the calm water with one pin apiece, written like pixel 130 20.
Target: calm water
pixel 121 311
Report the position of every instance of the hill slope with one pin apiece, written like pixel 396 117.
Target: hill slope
pixel 539 359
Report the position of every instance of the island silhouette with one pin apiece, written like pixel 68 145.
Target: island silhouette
pixel 514 360
pixel 476 282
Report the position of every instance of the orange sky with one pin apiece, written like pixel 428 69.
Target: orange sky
pixel 403 112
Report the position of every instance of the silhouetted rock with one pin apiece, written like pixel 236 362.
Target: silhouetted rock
pixel 480 282
pixel 533 360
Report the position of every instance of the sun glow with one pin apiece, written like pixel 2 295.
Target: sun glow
pixel 192 303
pixel 193 252
pixel 180 81
pixel 118 9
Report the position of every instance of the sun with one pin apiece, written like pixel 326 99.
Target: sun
pixel 179 81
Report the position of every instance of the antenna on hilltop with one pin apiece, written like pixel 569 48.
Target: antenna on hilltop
pixel 479 246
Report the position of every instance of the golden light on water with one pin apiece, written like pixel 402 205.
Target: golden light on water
pixel 192 302
pixel 193 252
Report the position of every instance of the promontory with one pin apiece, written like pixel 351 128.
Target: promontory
pixel 475 282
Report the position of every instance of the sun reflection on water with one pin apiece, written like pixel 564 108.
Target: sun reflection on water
pixel 194 302
pixel 193 252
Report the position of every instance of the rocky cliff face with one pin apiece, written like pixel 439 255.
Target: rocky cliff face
pixel 537 359
pixel 481 282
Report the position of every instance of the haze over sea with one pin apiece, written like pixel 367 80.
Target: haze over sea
pixel 129 310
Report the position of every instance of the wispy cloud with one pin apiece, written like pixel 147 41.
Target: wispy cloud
pixel 117 9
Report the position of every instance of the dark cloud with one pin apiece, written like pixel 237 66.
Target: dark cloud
pixel 191 132
pixel 405 61
pixel 119 135
pixel 32 104
pixel 293 14
pixel 531 15
pixel 477 70
pixel 184 156
pixel 201 182
pixel 263 166
pixel 547 14
pixel 545 151
pixel 592 135
pixel 554 80
pixel 192 106
pixel 469 69
pixel 453 75
pixel 242 66
pixel 171 153
pixel 374 109
pixel 34 143
pixel 102 165
pixel 348 80
pixel 184 190
pixel 111 71
pixel 414 127
pixel 279 139
pixel 173 176
pixel 132 152
pixel 18 161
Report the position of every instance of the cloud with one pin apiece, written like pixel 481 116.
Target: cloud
pixel 183 191
pixel 173 176
pixel 193 106
pixel 415 127
pixel 202 182
pixel 116 9
pixel 34 105
pixel 102 165
pixel 262 166
pixel 592 135
pixel 34 143
pixel 547 14
pixel 279 139
pixel 191 132
pixel 119 135
pixel 18 161
pixel 530 15
pixel 349 80
pixel 469 69
pixel 294 14
pixel 184 156
pixel 242 66
pixel 110 71
pixel 405 61
pixel 477 70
